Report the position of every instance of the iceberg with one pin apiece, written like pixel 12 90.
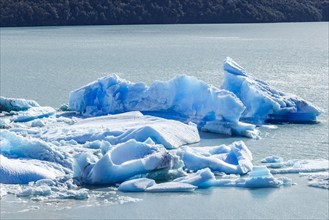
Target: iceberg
pixel 183 98
pixel 120 128
pixel 233 159
pixel 263 102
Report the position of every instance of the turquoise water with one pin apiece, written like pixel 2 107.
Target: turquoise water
pixel 46 63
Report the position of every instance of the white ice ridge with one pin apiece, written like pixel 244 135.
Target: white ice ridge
pixel 262 101
pixel 183 98
pixel 120 128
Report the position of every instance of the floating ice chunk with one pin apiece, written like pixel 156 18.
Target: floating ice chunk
pixel 47 189
pixel 13 104
pixel 272 159
pixel 318 180
pixel 33 113
pixel 79 194
pixel 231 128
pixel 21 172
pixel 261 177
pixel 149 185
pixel 125 161
pixel 136 185
pixel 202 178
pixel 36 191
pixel 123 127
pixel 297 166
pixel 171 187
pixel 183 98
pixel 263 102
pixel 237 160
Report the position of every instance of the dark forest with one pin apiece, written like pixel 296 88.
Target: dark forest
pixel 102 12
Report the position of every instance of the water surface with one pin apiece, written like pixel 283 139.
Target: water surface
pixel 46 63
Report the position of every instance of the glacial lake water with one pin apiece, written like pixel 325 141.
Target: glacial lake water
pixel 46 63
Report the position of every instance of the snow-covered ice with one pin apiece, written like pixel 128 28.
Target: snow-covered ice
pixel 120 128
pixel 24 171
pixel 262 101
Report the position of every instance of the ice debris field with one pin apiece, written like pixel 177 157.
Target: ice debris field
pixel 136 137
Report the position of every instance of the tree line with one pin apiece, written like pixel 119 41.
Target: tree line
pixel 101 12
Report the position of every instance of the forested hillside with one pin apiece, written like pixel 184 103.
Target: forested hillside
pixel 85 12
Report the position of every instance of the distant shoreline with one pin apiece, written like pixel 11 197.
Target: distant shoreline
pixel 150 24
pixel 31 13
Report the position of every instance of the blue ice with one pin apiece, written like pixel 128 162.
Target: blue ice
pixel 263 102
pixel 183 98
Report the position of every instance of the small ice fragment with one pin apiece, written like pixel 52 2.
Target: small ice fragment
pixel 171 187
pixel 136 185
pixel 202 178
pixel 272 159
pixel 261 177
